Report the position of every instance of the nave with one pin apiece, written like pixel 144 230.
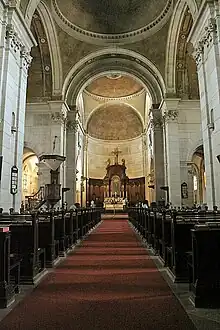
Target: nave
pixel 108 282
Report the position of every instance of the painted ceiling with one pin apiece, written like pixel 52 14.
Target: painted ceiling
pixel 110 17
pixel 115 122
pixel 114 86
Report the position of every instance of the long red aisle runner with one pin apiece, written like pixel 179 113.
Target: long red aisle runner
pixel 108 283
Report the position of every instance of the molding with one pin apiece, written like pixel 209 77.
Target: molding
pixel 119 38
pixel 54 47
pixel 119 99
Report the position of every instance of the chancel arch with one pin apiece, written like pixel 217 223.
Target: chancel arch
pixel 112 59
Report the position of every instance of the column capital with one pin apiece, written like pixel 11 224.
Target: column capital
pixel 170 115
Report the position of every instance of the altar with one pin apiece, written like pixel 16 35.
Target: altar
pixel 113 204
pixel 115 187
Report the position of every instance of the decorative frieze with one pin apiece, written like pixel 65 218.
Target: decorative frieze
pixel 208 38
pixel 170 115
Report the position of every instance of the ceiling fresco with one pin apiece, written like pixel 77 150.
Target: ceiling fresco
pixel 114 86
pixel 115 16
pixel 115 122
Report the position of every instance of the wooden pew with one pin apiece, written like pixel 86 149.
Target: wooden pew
pixel 47 238
pixel 206 265
pixel 8 267
pixel 24 245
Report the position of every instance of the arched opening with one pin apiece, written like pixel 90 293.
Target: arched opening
pixel 199 176
pixel 30 185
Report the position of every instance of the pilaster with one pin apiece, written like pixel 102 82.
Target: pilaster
pixel 205 37
pixel 71 127
pixel 169 110
pixel 158 152
pixel 16 41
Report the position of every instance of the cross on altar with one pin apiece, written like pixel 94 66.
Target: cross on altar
pixel 116 152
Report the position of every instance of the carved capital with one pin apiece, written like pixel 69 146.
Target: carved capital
pixel 72 126
pixel 156 122
pixel 208 38
pixel 58 117
pixel 12 39
pixel 26 58
pixel 170 115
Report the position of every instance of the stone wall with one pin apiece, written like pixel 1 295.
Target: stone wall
pixel 99 151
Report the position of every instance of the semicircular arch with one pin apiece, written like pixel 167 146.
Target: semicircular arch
pixel 113 59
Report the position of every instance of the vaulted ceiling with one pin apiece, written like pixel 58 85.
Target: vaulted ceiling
pixel 115 122
pixel 114 86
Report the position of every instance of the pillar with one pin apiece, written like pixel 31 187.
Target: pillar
pixel 158 152
pixel 205 37
pixel 15 45
pixel 171 149
pixel 72 126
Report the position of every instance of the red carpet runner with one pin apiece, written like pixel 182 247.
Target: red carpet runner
pixel 108 283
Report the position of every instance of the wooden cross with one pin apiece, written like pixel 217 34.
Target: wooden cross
pixel 116 152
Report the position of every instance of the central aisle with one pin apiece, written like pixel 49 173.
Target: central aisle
pixel 109 282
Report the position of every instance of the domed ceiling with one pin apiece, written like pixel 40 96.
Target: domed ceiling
pixel 114 86
pixel 113 20
pixel 115 122
pixel 115 16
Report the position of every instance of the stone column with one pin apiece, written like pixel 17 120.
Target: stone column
pixel 72 126
pixel 158 151
pixel 59 111
pixel 171 143
pixel 205 37
pixel 85 170
pixel 15 45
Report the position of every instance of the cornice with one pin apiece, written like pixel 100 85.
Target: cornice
pixel 120 99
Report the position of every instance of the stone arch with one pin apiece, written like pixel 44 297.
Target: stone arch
pixel 55 56
pixel 113 59
pixel 30 9
pixel 173 36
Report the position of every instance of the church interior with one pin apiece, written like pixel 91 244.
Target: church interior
pixel 109 164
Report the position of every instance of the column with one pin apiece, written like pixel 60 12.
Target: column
pixel 171 147
pixel 205 37
pixel 158 151
pixel 72 126
pixel 59 111
pixel 15 45
pixel 85 170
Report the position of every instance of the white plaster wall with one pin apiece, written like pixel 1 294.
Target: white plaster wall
pixel 40 132
pixel 99 151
